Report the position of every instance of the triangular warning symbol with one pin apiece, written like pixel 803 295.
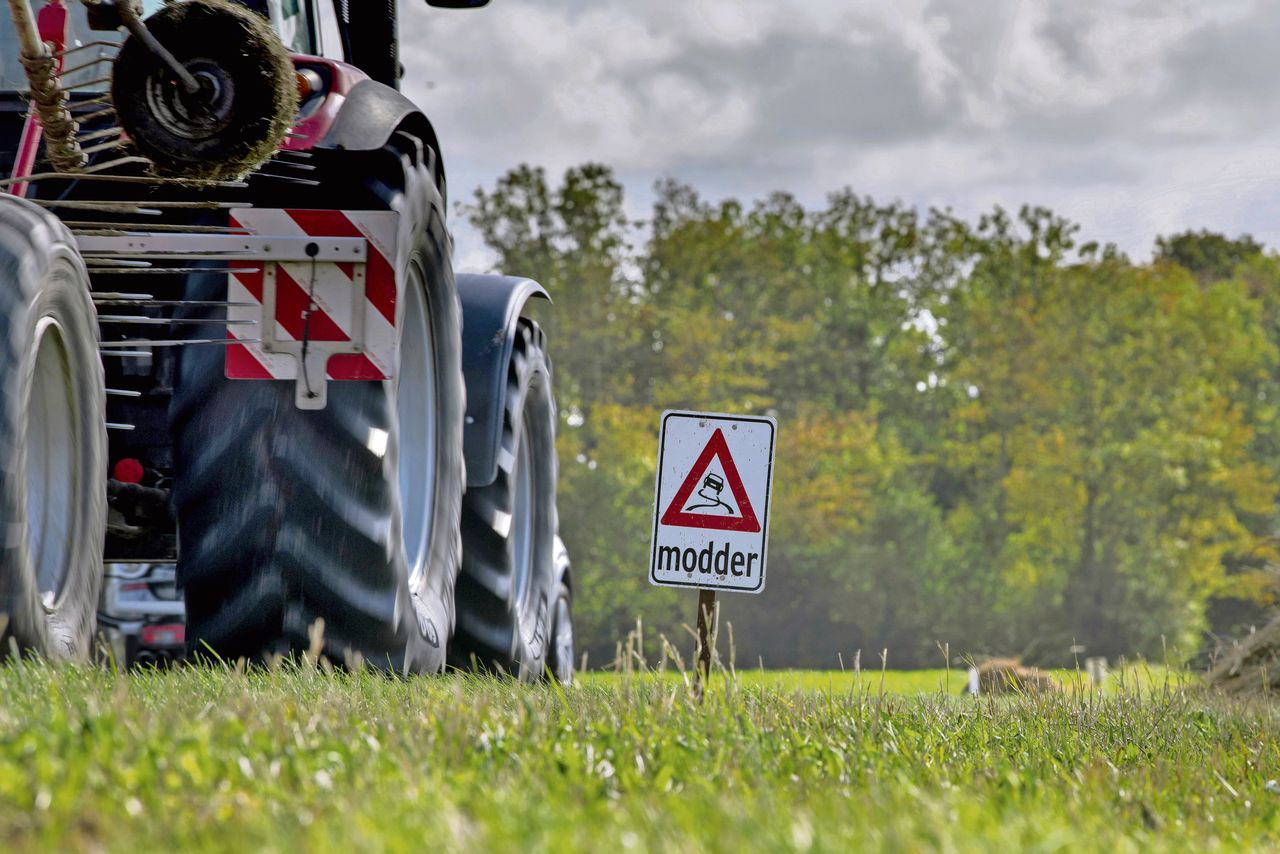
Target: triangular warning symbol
pixel 677 513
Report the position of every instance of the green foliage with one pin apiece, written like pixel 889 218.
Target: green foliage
pixel 990 435
pixel 296 760
pixel 1203 253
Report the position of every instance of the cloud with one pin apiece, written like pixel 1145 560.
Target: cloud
pixel 1133 117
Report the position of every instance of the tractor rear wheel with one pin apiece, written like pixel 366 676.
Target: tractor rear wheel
pixel 347 514
pixel 509 581
pixel 52 403
pixel 560 658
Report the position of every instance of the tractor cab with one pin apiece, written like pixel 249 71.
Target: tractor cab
pixel 319 35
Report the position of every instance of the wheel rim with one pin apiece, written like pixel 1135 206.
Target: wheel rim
pixel 563 650
pixel 193 116
pixel 51 464
pixel 417 416
pixel 522 520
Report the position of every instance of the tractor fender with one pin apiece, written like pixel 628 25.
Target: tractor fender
pixel 371 113
pixel 491 307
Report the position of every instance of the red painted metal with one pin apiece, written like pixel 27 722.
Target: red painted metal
pixel 128 470
pixel 169 634
pixel 309 131
pixel 301 312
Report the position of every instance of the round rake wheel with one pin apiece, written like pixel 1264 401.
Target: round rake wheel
pixel 246 101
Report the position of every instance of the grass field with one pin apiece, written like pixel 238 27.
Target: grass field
pixel 215 759
pixel 1141 677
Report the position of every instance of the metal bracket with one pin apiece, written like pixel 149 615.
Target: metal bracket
pixel 310 391
pixel 269 252
pixel 223 247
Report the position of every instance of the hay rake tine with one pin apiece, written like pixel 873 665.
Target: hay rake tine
pixel 174 303
pixel 170 271
pixel 62 54
pixel 110 346
pixel 165 321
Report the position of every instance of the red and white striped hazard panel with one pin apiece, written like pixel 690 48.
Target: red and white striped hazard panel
pixel 315 300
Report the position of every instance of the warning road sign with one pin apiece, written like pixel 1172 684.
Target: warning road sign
pixel 707 509
pixel 711 509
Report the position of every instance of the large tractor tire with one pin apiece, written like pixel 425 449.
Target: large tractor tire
pixel 53 491
pixel 509 582
pixel 288 517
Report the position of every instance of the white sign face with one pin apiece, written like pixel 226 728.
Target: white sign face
pixel 711 513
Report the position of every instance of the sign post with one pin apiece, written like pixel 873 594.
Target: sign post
pixel 711 510
pixel 706 620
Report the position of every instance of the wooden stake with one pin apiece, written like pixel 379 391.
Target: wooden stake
pixel 706 623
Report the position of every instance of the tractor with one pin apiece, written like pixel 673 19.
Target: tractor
pixel 247 409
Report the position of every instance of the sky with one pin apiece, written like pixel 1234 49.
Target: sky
pixel 1133 119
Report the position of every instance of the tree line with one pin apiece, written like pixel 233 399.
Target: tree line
pixel 992 434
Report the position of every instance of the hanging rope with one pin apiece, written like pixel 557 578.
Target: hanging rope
pixel 48 98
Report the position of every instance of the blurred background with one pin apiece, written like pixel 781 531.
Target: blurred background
pixel 1004 273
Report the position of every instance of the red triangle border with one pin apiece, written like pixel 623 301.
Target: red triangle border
pixel 675 516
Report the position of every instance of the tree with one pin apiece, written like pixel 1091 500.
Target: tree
pixel 1125 480
pixel 990 435
pixel 1207 255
